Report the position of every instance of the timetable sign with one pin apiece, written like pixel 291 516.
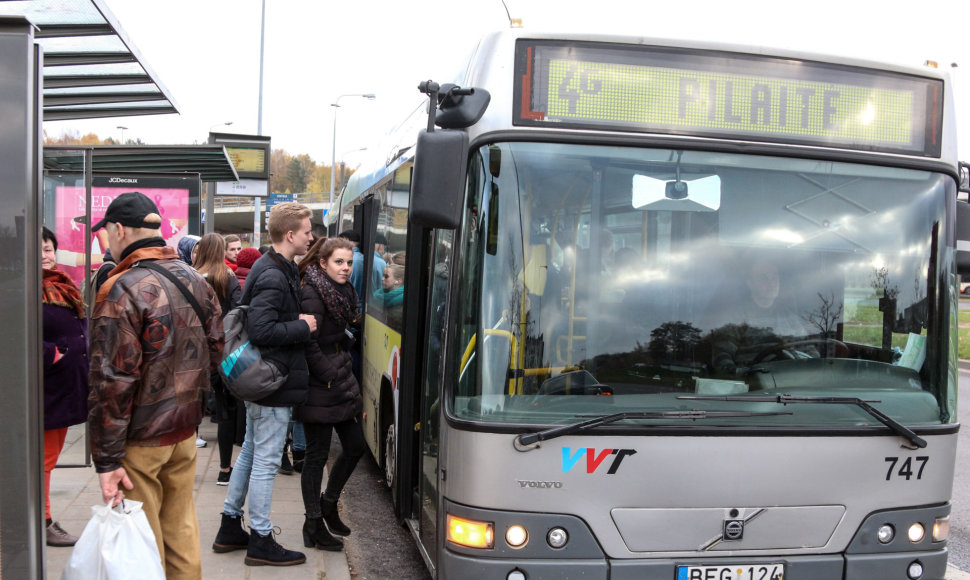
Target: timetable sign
pixel 247 159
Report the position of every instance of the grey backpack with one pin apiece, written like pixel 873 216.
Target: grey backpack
pixel 247 374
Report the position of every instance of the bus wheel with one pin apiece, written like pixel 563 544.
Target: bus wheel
pixel 390 456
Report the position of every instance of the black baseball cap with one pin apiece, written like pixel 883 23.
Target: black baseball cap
pixel 132 209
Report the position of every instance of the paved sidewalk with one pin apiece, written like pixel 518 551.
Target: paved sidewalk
pixel 75 489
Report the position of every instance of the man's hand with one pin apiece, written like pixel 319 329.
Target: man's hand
pixel 109 485
pixel 311 321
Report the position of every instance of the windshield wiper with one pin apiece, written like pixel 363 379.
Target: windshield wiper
pixel 525 439
pixel 897 428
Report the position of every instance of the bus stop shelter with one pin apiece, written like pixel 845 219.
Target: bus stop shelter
pixel 59 59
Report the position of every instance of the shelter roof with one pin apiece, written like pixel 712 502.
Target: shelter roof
pixel 91 67
pixel 211 162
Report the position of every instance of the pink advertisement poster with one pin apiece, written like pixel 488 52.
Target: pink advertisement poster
pixel 173 204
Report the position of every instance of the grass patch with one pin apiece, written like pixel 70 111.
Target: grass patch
pixel 866 314
pixel 964 317
pixel 963 343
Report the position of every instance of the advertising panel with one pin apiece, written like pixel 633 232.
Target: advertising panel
pixel 177 198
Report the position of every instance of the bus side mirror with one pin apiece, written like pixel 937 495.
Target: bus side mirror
pixel 963 237
pixel 964 176
pixel 438 179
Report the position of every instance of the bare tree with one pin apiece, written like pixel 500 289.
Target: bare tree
pixel 826 318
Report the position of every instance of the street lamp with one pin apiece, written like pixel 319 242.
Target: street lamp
pixel 227 123
pixel 333 150
pixel 122 133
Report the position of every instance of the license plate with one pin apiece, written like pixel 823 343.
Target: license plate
pixel 732 572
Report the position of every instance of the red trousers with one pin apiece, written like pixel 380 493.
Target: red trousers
pixel 53 443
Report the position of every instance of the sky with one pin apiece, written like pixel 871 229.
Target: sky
pixel 207 54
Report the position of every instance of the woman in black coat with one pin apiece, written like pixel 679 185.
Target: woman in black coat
pixel 65 370
pixel 334 401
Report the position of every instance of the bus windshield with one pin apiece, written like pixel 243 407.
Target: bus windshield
pixel 601 279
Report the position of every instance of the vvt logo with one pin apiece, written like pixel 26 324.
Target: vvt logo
pixel 594 458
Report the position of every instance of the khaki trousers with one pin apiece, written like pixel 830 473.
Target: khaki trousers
pixel 163 479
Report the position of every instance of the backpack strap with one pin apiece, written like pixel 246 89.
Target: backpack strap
pixel 151 265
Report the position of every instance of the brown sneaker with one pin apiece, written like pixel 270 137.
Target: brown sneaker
pixel 56 536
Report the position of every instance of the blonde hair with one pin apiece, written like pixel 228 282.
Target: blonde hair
pixel 286 217
pixel 397 271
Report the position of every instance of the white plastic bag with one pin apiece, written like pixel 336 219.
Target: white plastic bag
pixel 117 544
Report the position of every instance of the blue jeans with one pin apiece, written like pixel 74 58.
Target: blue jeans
pixel 256 466
pixel 299 438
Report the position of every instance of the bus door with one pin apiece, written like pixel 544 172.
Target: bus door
pixel 428 471
pixel 365 222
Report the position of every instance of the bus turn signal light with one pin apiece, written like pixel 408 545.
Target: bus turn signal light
pixel 941 529
pixel 470 533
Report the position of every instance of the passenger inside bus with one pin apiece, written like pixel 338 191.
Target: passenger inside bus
pixel 390 297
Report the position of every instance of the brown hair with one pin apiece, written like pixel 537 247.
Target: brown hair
pixel 286 217
pixel 321 250
pixel 210 261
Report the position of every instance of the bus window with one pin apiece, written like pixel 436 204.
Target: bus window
pixel 386 302
pixel 570 288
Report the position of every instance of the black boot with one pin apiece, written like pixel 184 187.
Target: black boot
pixel 231 535
pixel 328 507
pixel 298 456
pixel 286 468
pixel 264 551
pixel 316 534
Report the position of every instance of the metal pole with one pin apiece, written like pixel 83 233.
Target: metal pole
pixel 210 208
pixel 262 45
pixel 257 220
pixel 333 145
pixel 259 122
pixel 333 152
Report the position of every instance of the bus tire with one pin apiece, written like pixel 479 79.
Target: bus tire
pixel 390 456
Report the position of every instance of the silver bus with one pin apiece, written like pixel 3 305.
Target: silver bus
pixel 673 311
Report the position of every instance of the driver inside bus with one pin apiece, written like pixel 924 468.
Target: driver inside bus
pixel 762 323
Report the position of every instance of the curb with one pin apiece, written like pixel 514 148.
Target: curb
pixel 956 574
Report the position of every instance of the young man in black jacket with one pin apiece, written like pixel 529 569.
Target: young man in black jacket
pixel 275 324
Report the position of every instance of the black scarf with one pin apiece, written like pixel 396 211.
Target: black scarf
pixel 341 305
pixel 152 242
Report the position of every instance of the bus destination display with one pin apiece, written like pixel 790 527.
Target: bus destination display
pixel 726 95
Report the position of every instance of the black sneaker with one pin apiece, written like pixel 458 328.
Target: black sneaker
pixel 223 478
pixel 264 551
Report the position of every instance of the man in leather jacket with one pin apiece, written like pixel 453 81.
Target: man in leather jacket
pixel 150 360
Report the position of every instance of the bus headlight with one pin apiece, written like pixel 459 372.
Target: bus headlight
pixel 941 529
pixel 516 536
pixel 557 538
pixel 470 533
pixel 916 532
pixel 885 534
